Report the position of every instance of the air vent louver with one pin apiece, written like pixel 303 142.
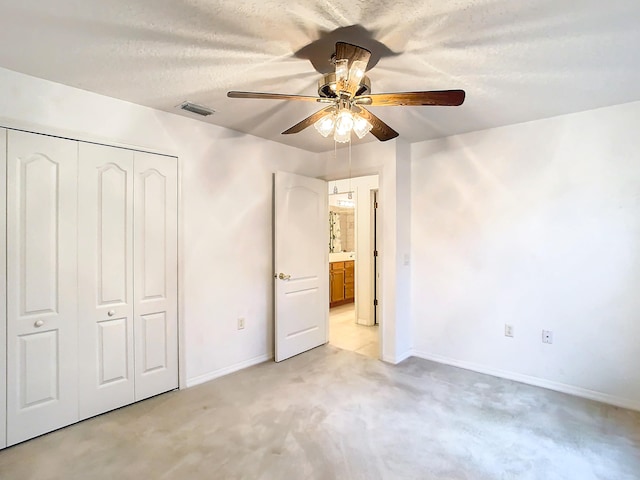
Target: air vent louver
pixel 197 109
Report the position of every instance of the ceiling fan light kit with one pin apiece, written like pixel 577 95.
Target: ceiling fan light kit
pixel 347 90
pixel 341 125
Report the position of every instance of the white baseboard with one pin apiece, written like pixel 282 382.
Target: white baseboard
pixel 536 381
pixel 398 358
pixel 192 382
pixel 364 321
pixel 403 356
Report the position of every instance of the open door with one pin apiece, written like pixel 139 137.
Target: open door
pixel 301 264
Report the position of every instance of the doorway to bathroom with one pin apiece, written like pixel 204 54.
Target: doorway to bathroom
pixel 353 265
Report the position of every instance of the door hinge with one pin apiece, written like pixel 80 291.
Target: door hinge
pixel 375 302
pixel 375 253
pixel 375 204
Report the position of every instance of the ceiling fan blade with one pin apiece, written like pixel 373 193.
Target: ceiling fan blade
pixel 451 98
pixel 271 96
pixel 357 59
pixel 380 130
pixel 310 120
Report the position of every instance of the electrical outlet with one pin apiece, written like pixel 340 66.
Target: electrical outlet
pixel 508 330
pixel 547 336
pixel 240 323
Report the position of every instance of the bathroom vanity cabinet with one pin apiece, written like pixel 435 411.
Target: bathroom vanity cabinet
pixel 341 282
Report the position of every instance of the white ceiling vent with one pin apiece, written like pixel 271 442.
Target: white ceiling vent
pixel 197 109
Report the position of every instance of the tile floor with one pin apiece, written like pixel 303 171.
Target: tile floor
pixel 346 334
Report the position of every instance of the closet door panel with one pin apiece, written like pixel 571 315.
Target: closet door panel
pixel 42 285
pixel 105 234
pixel 156 261
pixel 3 288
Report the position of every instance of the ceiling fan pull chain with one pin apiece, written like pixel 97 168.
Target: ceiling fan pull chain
pixel 350 195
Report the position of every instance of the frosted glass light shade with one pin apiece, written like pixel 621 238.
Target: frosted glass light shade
pixel 325 125
pixel 361 126
pixel 344 122
pixel 343 137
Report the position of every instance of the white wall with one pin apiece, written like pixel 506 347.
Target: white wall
pixel 228 261
pixel 535 225
pixel 404 333
pixel 3 287
pixel 226 211
pixel 362 187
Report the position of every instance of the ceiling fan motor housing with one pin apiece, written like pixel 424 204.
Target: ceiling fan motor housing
pixel 327 86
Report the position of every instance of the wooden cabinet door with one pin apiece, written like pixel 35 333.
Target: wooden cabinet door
pixel 337 285
pixel 349 281
pixel 342 282
pixel 42 327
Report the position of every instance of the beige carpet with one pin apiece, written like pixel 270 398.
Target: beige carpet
pixel 333 414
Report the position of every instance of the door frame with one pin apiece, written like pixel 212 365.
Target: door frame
pixel 375 266
pixel 391 161
pixel 374 312
pixel 3 286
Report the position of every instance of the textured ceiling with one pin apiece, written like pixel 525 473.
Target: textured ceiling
pixel 517 61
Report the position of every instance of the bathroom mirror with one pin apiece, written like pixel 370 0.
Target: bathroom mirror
pixel 342 223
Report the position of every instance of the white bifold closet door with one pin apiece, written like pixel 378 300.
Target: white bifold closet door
pixel 105 287
pixel 42 329
pixel 128 277
pixel 155 274
pixel 3 288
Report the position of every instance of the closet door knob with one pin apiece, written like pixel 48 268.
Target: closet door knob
pixel 38 323
pixel 111 313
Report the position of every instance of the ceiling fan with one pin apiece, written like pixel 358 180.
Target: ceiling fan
pixel 347 91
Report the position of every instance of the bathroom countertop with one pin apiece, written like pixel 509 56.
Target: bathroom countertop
pixel 341 256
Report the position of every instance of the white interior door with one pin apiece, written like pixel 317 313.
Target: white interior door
pixel 301 239
pixel 3 288
pixel 156 274
pixel 105 241
pixel 41 285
